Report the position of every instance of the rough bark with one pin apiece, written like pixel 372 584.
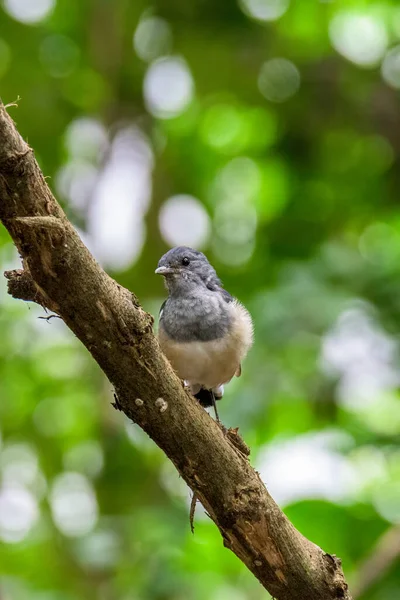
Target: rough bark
pixel 60 273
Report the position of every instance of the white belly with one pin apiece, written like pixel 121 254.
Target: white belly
pixel 215 362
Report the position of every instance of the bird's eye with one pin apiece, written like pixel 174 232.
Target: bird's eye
pixel 185 261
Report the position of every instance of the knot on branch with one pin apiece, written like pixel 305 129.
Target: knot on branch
pixel 14 163
pixel 339 587
pixel 21 286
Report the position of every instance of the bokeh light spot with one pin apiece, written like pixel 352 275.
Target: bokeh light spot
pixel 29 11
pixel 239 180
pixel 59 55
pixel 86 138
pixel 184 221
pixel 263 128
pixel 58 416
pixel 152 38
pixel 274 189
pixel 100 549
pixel 265 10
pixel 19 464
pixel 361 38
pixel 308 466
pixel 76 181
pixel 235 189
pixel 222 126
pixel 235 217
pixel 382 414
pixel 380 244
pixel 232 254
pixel 362 357
pixel 279 79
pixel 168 87
pixel 229 592
pixel 18 513
pixel 87 89
pixel 86 457
pixel 73 504
pixel 120 200
pixel 232 129
pixel 387 500
pixel 391 67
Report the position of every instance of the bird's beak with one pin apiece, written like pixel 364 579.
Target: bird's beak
pixel 164 270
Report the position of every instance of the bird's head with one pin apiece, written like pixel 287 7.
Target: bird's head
pixel 185 268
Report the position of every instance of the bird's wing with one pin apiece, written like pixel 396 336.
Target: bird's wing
pixel 238 371
pixel 162 308
pixel 226 295
pixel 215 286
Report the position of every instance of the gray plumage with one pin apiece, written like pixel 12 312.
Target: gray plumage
pixel 196 306
pixel 204 332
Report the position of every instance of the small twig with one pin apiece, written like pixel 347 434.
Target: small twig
pixel 50 317
pixel 116 404
pixel 15 103
pixel 192 511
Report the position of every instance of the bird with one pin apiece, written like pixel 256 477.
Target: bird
pixel 204 332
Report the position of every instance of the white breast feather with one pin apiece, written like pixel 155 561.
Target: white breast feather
pixel 215 362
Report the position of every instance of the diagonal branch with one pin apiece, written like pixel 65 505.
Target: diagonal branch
pixel 61 274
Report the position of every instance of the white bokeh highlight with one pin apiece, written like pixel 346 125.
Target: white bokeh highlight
pixel 110 185
pixel 362 356
pixel 86 138
pixel 18 513
pixel 278 80
pixel 239 181
pixel 29 11
pixel 19 464
pixel 168 87
pixel 265 10
pixel 152 38
pixel 73 504
pixel 100 549
pixel 361 38
pixel 183 221
pixel 86 141
pixel 76 181
pixel 120 200
pixel 390 68
pixel 307 466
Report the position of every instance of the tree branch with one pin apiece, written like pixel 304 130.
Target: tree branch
pixel 60 273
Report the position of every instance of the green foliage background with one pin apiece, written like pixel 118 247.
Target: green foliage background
pixel 89 507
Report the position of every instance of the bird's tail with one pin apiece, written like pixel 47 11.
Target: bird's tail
pixel 205 397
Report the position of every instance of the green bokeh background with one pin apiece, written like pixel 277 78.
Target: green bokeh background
pixel 302 201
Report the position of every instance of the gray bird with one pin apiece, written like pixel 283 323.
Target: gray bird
pixel 203 331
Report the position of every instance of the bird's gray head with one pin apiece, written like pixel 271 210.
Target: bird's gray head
pixel 185 270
